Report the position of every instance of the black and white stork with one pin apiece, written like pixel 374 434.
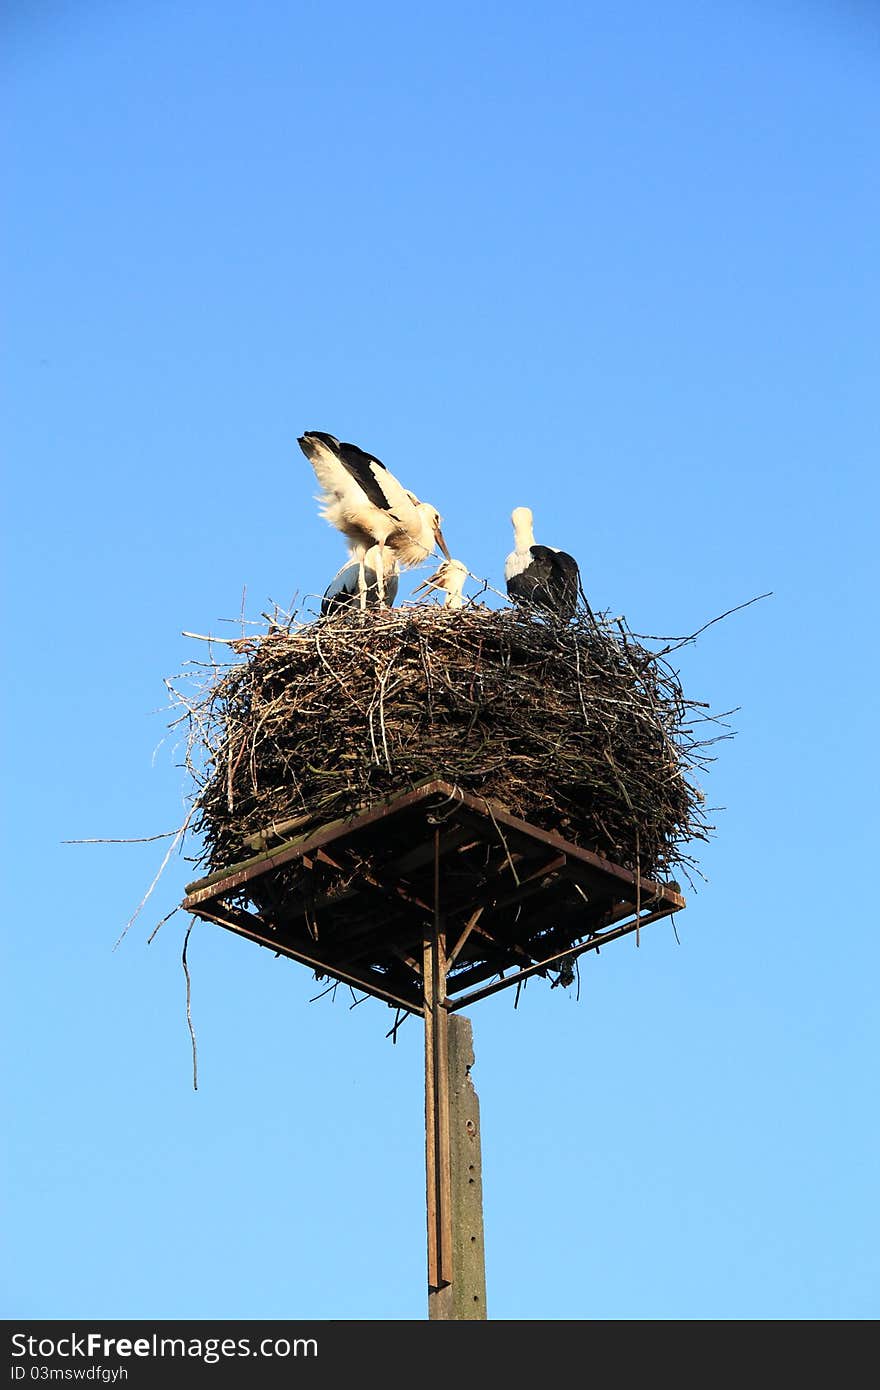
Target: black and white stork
pixel 448 580
pixel 539 576
pixel 343 591
pixel 363 500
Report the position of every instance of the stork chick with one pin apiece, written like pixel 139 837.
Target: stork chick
pixel 448 580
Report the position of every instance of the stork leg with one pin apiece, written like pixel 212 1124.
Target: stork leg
pixel 362 582
pixel 380 575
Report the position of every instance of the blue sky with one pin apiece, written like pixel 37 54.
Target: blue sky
pixel 617 262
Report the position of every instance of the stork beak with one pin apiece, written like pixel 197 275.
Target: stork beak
pixel 438 535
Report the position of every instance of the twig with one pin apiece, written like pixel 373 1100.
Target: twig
pixel 504 843
pixel 683 641
pixel 400 1017
pixel 166 918
pixel 638 887
pixel 181 832
pixel 135 840
pixel 192 1031
pixel 331 989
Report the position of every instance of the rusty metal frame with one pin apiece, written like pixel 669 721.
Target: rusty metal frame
pixel 641 900
pixel 237 921
pixel 223 881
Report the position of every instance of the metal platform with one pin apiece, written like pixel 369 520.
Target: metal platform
pixel 354 899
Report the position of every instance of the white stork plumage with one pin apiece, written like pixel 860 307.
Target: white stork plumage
pixel 539 576
pixel 448 580
pixel 343 591
pixel 364 501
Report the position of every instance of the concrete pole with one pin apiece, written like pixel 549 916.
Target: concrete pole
pixel 438 1170
pixel 464 1297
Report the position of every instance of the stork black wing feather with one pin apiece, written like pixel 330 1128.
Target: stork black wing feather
pixel 356 462
pixel 527 587
pixel 566 581
pixel 550 581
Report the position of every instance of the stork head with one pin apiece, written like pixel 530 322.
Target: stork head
pixel 450 577
pixel 433 519
pixel 523 527
pixel 455 575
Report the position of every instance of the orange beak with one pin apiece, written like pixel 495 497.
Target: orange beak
pixel 438 536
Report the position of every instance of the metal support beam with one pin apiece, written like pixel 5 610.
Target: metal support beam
pixel 594 944
pixel 239 922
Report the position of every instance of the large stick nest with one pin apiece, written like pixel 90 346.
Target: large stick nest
pixel 576 727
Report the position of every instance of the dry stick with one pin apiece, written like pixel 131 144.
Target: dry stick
pixel 168 855
pixel 382 683
pixel 329 668
pixel 400 1017
pixel 192 713
pixel 331 988
pixel 376 759
pixel 683 641
pixel 504 843
pixel 229 791
pixel 192 1032
pixel 580 688
pixel 136 840
pixel 638 885
pixel 270 709
pixel 166 918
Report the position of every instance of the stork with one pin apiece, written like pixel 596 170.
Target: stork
pixel 363 500
pixel 540 576
pixel 449 579
pixel 343 591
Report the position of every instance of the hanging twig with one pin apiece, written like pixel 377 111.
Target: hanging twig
pixel 192 1031
pixel 166 918
pixel 504 843
pixel 177 838
pixel 400 1017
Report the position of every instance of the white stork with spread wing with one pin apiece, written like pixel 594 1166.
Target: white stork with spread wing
pixel 363 500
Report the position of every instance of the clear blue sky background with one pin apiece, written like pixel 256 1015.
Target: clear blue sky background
pixel 617 261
